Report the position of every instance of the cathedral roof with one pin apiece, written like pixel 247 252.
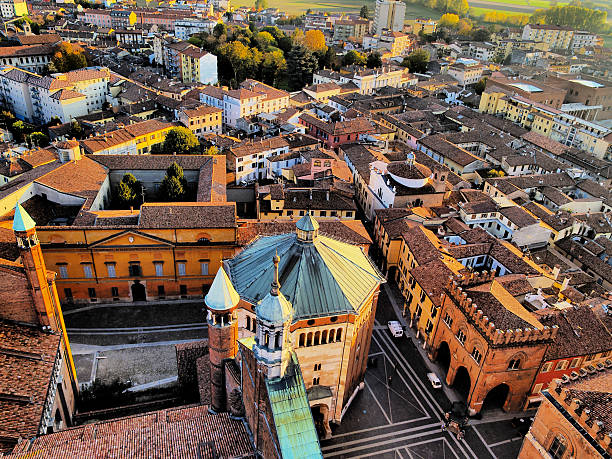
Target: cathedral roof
pixel 297 436
pixel 323 278
pixel 275 308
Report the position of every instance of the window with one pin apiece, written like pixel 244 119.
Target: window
pixel 461 336
pixel 317 367
pixel 448 320
pixel 302 340
pixel 537 388
pixel 110 267
pixel 63 271
pixel 114 292
pixel 92 292
pixel 68 293
pixel 161 291
pixel 575 362
pixel 315 381
pixel 558 447
pixel 183 290
pixel 204 268
pixel 476 355
pixel 514 364
pixel 135 270
pixel 546 367
pixel 434 311
pixel 181 269
pixel 159 269
pixel 422 299
pixel 562 365
pixel 429 327
pixel 87 271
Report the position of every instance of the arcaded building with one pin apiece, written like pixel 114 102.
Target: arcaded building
pixel 333 290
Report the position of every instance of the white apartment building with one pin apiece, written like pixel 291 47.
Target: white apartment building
pixel 38 99
pixel 31 58
pixel 368 80
pixel 252 158
pixel 466 71
pixel 252 98
pixel 584 135
pixel 557 37
pixel 185 28
pixel 389 14
pixel 583 39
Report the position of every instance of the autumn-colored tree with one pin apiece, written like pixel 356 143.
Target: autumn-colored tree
pixel 449 20
pixel 68 56
pixel 314 40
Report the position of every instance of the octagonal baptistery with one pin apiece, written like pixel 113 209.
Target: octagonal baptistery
pixel 333 289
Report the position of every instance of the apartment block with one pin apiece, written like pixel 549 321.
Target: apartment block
pixel 390 15
pixel 556 36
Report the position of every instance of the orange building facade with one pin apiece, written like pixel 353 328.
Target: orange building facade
pixel 154 258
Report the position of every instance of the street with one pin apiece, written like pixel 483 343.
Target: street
pixel 402 418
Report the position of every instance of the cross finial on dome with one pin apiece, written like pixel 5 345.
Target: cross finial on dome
pixel 275 282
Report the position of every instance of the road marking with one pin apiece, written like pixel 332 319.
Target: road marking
pixel 378 403
pixel 485 443
pixel 435 426
pixel 510 440
pixel 419 385
pixel 398 394
pixel 370 429
pixel 386 442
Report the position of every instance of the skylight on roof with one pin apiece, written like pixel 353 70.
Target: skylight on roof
pixel 526 87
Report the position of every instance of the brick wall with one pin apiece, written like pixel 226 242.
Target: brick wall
pixel 16 307
pixel 187 355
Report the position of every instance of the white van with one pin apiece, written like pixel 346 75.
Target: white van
pixel 434 380
pixel 395 328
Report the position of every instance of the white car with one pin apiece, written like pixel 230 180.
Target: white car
pixel 434 380
pixel 395 328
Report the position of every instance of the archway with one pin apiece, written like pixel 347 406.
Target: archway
pixel 496 398
pixel 320 416
pixel 443 356
pixel 139 291
pixel 463 382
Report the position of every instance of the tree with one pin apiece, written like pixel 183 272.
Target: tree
pixel 173 186
pixel 416 61
pixel 480 86
pixel 314 40
pixel 301 64
pixel 374 61
pixel 38 139
pixel 448 20
pixel 180 140
pixel 18 128
pixel 212 150
pixel 464 27
pixel 128 192
pixel 272 67
pixel 481 34
pixel 353 58
pixel 67 57
pixel 219 30
pixel 264 40
pixel 363 12
pixel 261 5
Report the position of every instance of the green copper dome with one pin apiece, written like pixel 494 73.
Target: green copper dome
pixel 307 223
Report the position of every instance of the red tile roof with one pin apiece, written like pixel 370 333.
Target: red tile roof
pixel 179 433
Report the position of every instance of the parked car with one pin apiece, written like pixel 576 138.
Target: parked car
pixel 434 380
pixel 395 328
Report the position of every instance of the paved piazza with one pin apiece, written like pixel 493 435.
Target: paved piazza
pixel 402 419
